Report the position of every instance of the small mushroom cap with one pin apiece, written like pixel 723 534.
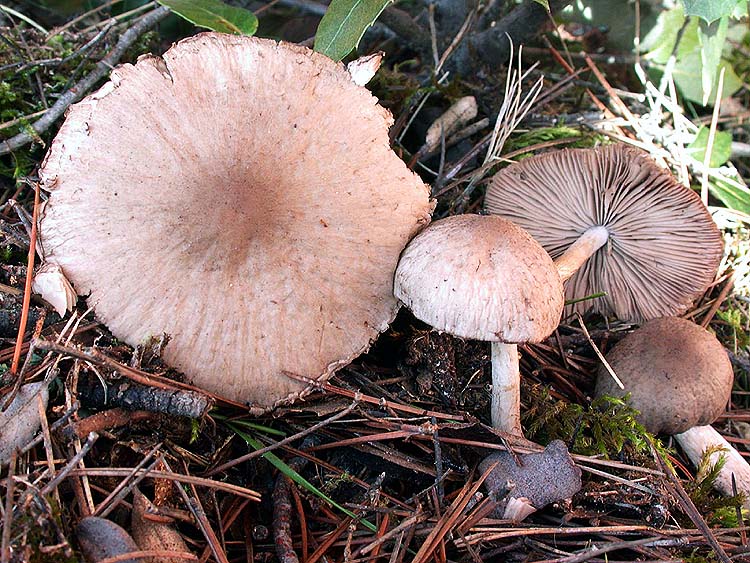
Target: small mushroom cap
pixel 241 196
pixel 663 249
pixel 480 277
pixel 677 373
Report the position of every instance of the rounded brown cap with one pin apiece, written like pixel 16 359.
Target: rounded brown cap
pixel 677 373
pixel 663 248
pixel 480 277
pixel 241 196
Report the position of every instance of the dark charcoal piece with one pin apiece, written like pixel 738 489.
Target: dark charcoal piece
pixel 541 479
pixel 133 396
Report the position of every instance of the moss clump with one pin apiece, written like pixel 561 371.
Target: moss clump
pixel 608 426
pixel 718 510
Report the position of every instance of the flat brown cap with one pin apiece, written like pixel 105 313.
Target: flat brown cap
pixel 677 373
pixel 241 196
pixel 480 277
pixel 663 249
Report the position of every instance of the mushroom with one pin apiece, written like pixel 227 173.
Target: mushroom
pixel 240 195
pixel 484 278
pixel 616 223
pixel 680 378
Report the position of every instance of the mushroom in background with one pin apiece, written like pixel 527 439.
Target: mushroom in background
pixel 616 223
pixel 240 195
pixel 100 540
pixel 680 378
pixel 484 278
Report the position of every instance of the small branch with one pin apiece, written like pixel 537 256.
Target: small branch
pixel 70 466
pixel 282 509
pixel 403 25
pixel 106 420
pixel 27 287
pixel 95 357
pixel 81 88
pixel 492 46
pixel 282 519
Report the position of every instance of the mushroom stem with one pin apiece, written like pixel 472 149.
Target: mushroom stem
pixel 694 443
pixel 580 251
pixel 506 389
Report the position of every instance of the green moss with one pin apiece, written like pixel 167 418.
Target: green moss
pixel 698 556
pixel 717 510
pixel 606 427
pixel 736 321
pixel 541 135
pixel 20 97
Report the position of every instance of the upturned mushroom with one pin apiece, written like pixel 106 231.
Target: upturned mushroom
pixel 680 378
pixel 240 195
pixel 615 223
pixel 484 278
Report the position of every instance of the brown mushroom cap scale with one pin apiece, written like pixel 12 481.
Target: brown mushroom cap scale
pixel 662 249
pixel 241 196
pixel 677 373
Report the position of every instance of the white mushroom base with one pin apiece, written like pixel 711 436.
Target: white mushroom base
pixel 694 443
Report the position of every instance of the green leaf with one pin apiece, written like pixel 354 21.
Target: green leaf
pixel 214 15
pixel 688 73
pixel 731 192
pixel 659 42
pixel 710 10
pixel 712 37
pixel 544 3
pixel 720 151
pixel 344 24
pixel 740 10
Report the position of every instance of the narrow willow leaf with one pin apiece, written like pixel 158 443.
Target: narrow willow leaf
pixel 21 420
pixel 344 24
pixel 214 15
pixel 153 535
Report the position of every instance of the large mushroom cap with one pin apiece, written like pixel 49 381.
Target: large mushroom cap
pixel 663 249
pixel 677 373
pixel 239 195
pixel 480 277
